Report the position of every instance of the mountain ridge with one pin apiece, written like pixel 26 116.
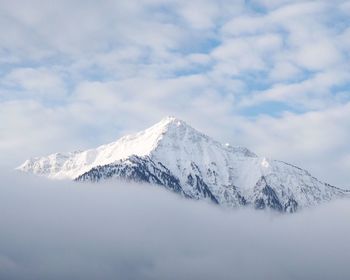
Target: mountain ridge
pixel 176 156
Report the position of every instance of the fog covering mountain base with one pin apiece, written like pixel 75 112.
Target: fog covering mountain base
pixel 53 230
pixel 176 156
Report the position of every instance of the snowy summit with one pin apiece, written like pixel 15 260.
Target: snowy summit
pixel 176 156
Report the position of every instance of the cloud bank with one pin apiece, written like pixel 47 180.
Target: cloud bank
pixel 64 230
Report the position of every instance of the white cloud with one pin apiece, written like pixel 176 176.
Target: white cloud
pixel 53 230
pixel 35 82
pixel 284 71
pixel 313 93
pixel 237 55
pixel 318 55
pixel 273 4
pixel 29 128
pixel 317 141
pixel 198 14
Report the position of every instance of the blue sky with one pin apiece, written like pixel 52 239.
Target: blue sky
pixel 269 75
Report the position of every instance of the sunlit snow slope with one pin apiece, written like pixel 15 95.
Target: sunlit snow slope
pixel 175 155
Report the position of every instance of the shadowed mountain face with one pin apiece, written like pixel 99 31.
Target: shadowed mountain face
pixel 173 155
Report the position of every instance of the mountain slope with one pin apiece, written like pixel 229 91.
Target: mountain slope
pixel 175 155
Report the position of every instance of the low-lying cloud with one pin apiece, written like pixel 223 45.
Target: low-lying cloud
pixel 65 230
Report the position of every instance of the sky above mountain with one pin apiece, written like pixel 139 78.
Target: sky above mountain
pixel 269 75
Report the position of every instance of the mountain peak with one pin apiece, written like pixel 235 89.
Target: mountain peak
pixel 164 140
pixel 172 129
pixel 172 119
pixel 170 122
pixel 173 154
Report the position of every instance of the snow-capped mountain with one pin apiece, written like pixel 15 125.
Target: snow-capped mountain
pixel 174 155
